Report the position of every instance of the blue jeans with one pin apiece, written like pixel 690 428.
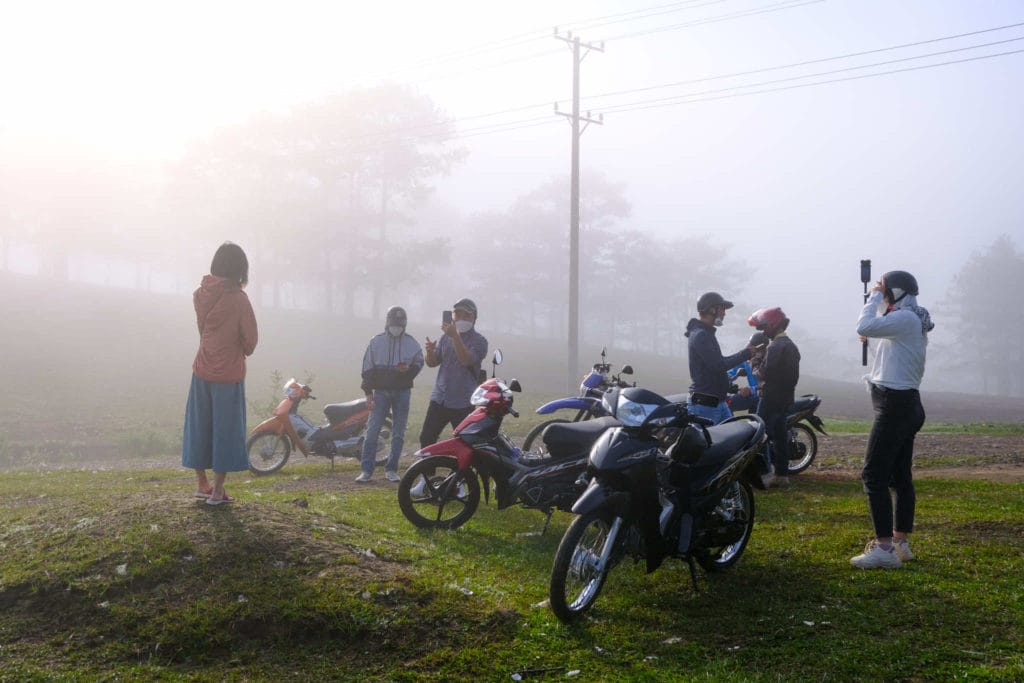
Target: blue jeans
pixel 890 453
pixel 395 401
pixel 719 413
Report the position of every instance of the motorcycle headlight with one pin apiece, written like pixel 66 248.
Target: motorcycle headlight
pixel 632 414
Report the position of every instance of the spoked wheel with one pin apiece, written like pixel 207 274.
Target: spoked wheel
pixel 383 443
pixel 434 494
pixel 577 575
pixel 736 510
pixel 533 441
pixel 268 452
pixel 803 446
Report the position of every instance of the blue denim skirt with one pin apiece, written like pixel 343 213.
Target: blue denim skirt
pixel 214 435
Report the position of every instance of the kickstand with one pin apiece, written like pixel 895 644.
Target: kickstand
pixel 693 572
pixel 547 521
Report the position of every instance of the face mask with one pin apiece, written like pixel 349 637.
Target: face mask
pixel 395 330
pixel 719 322
pixel 463 326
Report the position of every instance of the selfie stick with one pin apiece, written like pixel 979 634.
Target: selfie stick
pixel 865 277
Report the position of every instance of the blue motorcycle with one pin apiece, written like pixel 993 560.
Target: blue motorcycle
pixel 587 404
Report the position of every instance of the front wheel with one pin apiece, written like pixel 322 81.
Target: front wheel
pixel 535 434
pixel 578 573
pixel 803 446
pixel 435 494
pixel 733 519
pixel 268 452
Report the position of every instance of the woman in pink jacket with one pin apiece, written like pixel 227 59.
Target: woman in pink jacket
pixel 214 435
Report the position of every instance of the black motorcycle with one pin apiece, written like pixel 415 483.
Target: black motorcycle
pixel 803 442
pixel 692 500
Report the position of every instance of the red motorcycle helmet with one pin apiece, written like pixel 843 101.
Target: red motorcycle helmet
pixel 771 321
pixel 494 395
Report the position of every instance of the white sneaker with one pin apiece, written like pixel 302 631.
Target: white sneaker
pixel 875 557
pixel 766 479
pixel 364 477
pixel 391 475
pixel 902 549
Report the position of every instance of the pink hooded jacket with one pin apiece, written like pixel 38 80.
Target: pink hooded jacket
pixel 227 330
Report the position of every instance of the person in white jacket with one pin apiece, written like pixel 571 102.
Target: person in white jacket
pixel 892 316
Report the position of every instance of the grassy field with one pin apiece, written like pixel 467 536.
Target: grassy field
pixel 119 575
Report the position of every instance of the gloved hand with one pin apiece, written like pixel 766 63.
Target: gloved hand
pixel 758 340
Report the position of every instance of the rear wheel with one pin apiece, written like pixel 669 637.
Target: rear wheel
pixel 434 494
pixel 533 441
pixel 735 512
pixel 576 577
pixel 268 452
pixel 803 446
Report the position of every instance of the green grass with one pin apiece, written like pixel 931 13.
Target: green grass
pixel 840 426
pixel 121 575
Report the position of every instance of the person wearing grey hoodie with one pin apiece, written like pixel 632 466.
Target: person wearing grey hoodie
pixel 892 316
pixel 390 364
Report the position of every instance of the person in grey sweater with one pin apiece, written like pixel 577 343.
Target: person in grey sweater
pixel 390 364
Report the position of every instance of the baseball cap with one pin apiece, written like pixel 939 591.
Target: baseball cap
pixel 709 300
pixel 466 305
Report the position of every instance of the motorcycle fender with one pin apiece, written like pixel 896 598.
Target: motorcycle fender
pixel 271 424
pixel 817 423
pixel 282 427
pixel 571 403
pixel 597 496
pixel 456 448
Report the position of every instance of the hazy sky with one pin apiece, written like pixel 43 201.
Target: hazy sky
pixel 913 170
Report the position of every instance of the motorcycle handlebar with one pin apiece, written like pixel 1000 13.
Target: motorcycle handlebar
pixel 702 421
pixel 513 412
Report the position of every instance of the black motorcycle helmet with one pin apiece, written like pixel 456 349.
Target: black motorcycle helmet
pixel 396 316
pixel 899 280
pixel 690 445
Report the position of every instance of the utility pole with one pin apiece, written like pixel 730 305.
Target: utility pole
pixel 579 51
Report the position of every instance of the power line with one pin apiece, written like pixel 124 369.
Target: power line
pixel 642 106
pixel 803 63
pixel 788 4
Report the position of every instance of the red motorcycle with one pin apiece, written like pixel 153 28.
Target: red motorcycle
pixel 272 441
pixel 442 489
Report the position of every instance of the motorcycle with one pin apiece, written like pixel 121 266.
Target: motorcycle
pixel 801 417
pixel 272 441
pixel 442 489
pixel 692 501
pixel 587 403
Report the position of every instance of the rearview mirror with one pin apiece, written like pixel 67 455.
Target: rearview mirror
pixel 626 370
pixel 514 385
pixel 497 357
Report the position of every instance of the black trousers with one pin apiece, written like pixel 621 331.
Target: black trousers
pixel 777 431
pixel 437 417
pixel 899 415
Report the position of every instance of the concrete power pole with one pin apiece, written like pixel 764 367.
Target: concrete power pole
pixel 574 200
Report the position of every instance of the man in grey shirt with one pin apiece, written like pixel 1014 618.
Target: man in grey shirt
pixel 459 353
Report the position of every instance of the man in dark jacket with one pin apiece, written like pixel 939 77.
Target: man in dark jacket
pixel 390 364
pixel 709 370
pixel 779 374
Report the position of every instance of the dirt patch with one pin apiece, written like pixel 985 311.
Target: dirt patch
pixel 968 456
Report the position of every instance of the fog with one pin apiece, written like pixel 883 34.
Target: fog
pixel 410 153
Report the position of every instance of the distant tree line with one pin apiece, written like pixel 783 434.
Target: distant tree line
pixel 329 199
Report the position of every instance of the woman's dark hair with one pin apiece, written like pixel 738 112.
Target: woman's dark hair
pixel 230 262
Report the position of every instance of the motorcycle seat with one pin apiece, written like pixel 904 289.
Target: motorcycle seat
pixel 805 402
pixel 339 412
pixel 727 439
pixel 678 398
pixel 565 439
